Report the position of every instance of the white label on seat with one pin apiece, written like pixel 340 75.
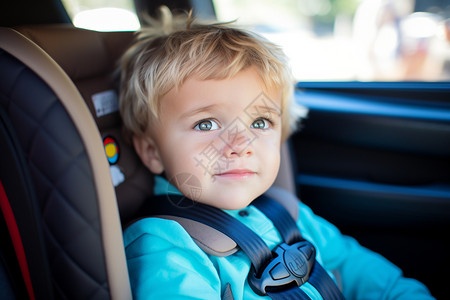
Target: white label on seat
pixel 116 175
pixel 105 103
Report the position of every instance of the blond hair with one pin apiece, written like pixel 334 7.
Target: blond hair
pixel 163 57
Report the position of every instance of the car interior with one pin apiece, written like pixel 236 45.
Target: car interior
pixel 372 157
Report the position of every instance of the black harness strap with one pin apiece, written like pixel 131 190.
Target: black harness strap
pixel 245 238
pixel 290 233
pixel 278 275
pixel 289 294
pixel 280 218
pixel 320 279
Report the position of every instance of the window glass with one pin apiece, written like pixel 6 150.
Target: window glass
pixel 342 40
pixel 103 15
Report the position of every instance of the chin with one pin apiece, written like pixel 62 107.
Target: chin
pixel 234 206
pixel 231 202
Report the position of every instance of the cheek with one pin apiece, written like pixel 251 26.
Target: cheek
pixel 181 156
pixel 268 151
pixel 273 162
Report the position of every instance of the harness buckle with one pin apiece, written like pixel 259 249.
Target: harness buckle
pixel 291 265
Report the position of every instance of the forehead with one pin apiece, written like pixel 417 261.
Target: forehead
pixel 240 92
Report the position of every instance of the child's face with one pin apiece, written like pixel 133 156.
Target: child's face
pixel 224 135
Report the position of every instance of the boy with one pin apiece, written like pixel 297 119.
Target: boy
pixel 210 106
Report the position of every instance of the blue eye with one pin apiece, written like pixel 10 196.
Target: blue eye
pixel 260 124
pixel 206 125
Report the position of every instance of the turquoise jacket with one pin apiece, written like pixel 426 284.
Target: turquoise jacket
pixel 165 263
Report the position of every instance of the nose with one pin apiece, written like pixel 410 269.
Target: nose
pixel 237 143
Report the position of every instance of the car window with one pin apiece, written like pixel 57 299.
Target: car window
pixel 103 15
pixel 326 40
pixel 342 40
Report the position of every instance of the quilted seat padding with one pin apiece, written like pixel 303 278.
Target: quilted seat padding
pixel 63 182
pixel 90 58
pixel 76 203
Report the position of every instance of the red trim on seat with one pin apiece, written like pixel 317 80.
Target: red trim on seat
pixel 16 240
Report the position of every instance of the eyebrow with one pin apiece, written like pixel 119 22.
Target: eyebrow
pixel 202 109
pixel 211 107
pixel 266 109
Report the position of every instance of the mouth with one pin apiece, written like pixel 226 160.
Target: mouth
pixel 236 174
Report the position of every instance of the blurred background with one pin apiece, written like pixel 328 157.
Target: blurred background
pixel 326 40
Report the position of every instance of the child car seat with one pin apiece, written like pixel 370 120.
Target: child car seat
pixel 89 58
pixel 58 107
pixel 56 193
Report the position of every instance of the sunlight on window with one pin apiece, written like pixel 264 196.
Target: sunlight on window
pixel 107 19
pixel 103 15
pixel 366 40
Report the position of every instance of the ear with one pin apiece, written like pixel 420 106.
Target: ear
pixel 148 152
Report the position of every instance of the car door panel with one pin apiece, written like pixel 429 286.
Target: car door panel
pixel 374 159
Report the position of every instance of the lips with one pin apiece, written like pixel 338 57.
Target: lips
pixel 236 173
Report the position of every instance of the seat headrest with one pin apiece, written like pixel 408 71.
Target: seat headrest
pixel 90 59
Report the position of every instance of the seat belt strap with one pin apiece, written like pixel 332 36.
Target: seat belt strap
pixel 245 238
pixel 320 279
pixel 258 252
pixel 280 218
pixel 290 233
pixel 289 294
